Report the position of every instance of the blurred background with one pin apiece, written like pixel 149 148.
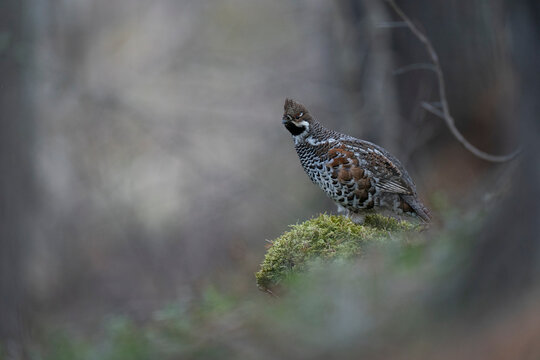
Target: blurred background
pixel 143 156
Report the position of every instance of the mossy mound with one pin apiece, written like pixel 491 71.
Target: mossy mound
pixel 326 237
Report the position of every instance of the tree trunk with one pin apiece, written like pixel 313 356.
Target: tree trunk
pixel 16 180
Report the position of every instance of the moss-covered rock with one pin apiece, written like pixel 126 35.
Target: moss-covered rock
pixel 326 237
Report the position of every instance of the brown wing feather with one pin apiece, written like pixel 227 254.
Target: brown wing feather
pixel 345 169
pixel 390 174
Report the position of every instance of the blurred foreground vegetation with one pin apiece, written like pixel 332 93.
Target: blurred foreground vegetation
pixel 333 308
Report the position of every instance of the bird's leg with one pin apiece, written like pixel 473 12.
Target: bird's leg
pixel 356 218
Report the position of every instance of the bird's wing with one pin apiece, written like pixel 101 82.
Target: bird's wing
pixel 386 170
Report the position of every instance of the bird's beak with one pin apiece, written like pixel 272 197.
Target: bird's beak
pixel 284 121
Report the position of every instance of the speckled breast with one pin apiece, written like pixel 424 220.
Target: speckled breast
pixel 339 173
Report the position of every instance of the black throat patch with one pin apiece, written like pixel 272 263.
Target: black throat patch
pixel 293 129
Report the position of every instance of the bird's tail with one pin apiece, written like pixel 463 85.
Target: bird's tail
pixel 411 204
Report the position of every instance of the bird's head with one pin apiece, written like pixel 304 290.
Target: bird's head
pixel 296 118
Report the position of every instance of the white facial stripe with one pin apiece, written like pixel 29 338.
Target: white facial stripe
pixel 301 123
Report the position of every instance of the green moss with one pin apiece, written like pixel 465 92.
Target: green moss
pixel 326 237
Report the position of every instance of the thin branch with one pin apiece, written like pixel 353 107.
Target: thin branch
pixel 449 120
pixel 419 66
pixel 432 109
pixel 391 24
pixel 269 292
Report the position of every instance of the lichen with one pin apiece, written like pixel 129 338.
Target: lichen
pixel 326 238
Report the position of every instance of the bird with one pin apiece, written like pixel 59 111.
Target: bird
pixel 359 176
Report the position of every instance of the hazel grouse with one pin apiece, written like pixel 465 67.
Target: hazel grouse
pixel 359 176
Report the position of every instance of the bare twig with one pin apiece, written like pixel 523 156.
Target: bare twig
pixel 269 292
pixel 432 109
pixel 391 24
pixel 419 66
pixel 445 114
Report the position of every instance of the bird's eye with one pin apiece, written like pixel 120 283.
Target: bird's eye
pixel 289 117
pixel 299 115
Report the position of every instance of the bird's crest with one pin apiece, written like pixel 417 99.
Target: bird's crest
pixel 295 109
